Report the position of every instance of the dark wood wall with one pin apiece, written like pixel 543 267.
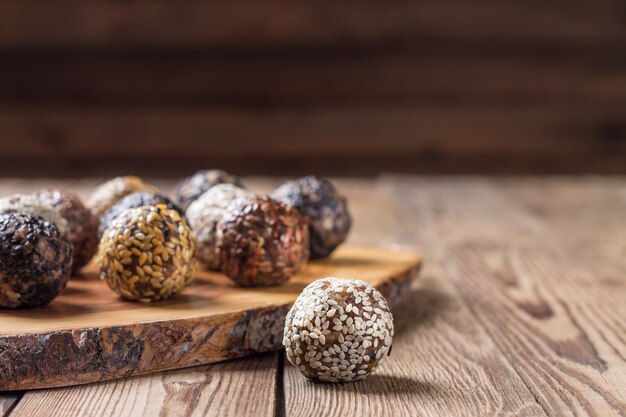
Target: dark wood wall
pixel 335 87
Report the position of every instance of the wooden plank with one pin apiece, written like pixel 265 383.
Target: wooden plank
pixel 443 361
pixel 237 388
pixel 308 78
pixel 545 309
pixel 37 23
pixel 8 402
pixel 79 141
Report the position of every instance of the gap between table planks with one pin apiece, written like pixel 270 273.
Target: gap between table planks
pixel 501 325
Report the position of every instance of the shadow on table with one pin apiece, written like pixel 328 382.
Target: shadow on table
pixel 381 384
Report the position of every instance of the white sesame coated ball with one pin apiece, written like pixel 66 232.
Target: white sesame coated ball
pixel 338 330
pixel 204 214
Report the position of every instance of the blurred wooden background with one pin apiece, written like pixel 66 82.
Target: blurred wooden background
pixel 333 87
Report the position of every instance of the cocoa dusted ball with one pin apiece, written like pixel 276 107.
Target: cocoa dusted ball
pixel 262 243
pixel 147 254
pixel 338 330
pixel 134 200
pixel 110 192
pixel 81 223
pixel 322 207
pixel 191 188
pixel 35 261
pixel 204 214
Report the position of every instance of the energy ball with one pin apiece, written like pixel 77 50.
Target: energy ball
pixel 147 254
pixel 204 213
pixel 338 330
pixel 322 207
pixel 35 261
pixel 29 204
pixel 134 200
pixel 262 243
pixel 191 188
pixel 108 193
pixel 83 226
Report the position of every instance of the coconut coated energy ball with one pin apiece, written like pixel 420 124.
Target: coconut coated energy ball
pixel 262 243
pixel 29 204
pixel 322 207
pixel 147 254
pixel 191 188
pixel 82 224
pixel 134 200
pixel 338 330
pixel 35 261
pixel 110 192
pixel 204 213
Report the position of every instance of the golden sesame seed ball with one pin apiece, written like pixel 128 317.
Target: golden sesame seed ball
pixel 204 214
pixel 81 223
pixel 147 254
pixel 191 188
pixel 108 193
pixel 35 261
pixel 262 243
pixel 338 330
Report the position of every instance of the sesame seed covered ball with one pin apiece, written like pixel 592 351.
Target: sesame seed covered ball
pixel 191 188
pixel 147 254
pixel 262 243
pixel 204 214
pixel 108 193
pixel 134 200
pixel 29 204
pixel 81 223
pixel 322 207
pixel 35 261
pixel 338 330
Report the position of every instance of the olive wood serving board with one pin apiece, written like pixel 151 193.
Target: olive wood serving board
pixel 88 334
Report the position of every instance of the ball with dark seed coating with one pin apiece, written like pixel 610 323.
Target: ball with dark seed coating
pixel 262 243
pixel 81 223
pixel 110 192
pixel 134 200
pixel 322 207
pixel 191 188
pixel 35 261
pixel 338 330
pixel 147 254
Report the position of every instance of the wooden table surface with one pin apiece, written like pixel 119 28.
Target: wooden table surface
pixel 519 310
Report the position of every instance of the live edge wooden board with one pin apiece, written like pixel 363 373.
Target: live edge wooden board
pixel 88 334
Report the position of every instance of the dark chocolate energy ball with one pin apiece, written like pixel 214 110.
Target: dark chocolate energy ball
pixel 134 200
pixel 82 224
pixel 322 207
pixel 262 243
pixel 338 330
pixel 35 261
pixel 191 188
pixel 147 254
pixel 108 193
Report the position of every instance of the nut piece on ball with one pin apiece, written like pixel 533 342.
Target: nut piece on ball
pixel 35 261
pixel 322 207
pixel 262 243
pixel 338 330
pixel 191 188
pixel 82 224
pixel 147 254
pixel 204 214
pixel 108 193
pixel 134 200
